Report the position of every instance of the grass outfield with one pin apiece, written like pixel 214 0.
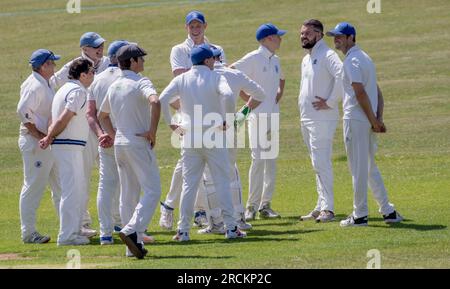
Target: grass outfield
pixel 408 42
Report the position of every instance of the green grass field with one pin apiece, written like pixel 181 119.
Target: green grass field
pixel 408 42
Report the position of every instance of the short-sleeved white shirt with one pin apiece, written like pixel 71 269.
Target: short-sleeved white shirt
pixel 71 96
pixel 101 84
pixel 127 102
pixel 263 67
pixel 35 104
pixel 359 68
pixel 321 75
pixel 180 56
pixel 238 81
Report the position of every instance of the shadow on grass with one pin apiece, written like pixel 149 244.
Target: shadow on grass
pixel 189 257
pixel 416 227
pixel 222 241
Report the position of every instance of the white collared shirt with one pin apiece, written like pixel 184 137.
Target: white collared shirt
pixel 35 104
pixel 127 102
pixel 180 56
pixel 263 67
pixel 238 81
pixel 321 75
pixel 71 96
pixel 200 86
pixel 359 68
pixel 101 84
pixel 62 76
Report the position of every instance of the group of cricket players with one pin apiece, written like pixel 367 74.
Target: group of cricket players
pixel 101 109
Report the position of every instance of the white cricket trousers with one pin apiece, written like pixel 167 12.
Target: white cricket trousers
pixel 194 161
pixel 318 137
pixel 262 173
pixel 90 155
pixel 361 146
pixel 73 188
pixel 138 171
pixel 207 184
pixel 176 186
pixel 108 193
pixel 39 169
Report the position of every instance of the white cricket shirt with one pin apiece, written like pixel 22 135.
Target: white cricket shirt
pixel 321 75
pixel 359 68
pixel 127 103
pixel 263 67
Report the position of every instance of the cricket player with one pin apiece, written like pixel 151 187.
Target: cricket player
pixel 200 88
pixel 108 187
pixel 363 118
pixel 39 166
pixel 320 90
pixel 180 61
pixel 263 66
pixel 92 46
pixel 68 135
pixel 237 81
pixel 132 103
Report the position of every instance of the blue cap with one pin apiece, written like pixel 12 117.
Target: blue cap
pixel 342 28
pixel 216 51
pixel 200 53
pixel 195 15
pixel 115 46
pixel 40 56
pixel 91 39
pixel 268 29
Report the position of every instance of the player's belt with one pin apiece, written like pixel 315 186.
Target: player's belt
pixel 68 141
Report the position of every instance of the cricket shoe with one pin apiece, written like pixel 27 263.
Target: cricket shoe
pixel 393 217
pixel 181 236
pixel 200 219
pixel 325 216
pixel 78 241
pixel 235 234
pixel 311 216
pixel 267 213
pixel 106 240
pixel 243 225
pixel 87 231
pixel 213 229
pixel 250 213
pixel 354 222
pixel 147 239
pixel 36 238
pixel 131 242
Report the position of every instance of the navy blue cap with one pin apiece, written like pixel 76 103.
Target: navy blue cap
pixel 268 29
pixel 200 53
pixel 129 51
pixel 115 46
pixel 91 39
pixel 195 15
pixel 343 28
pixel 40 56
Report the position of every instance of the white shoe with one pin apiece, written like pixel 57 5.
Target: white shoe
pixel 325 216
pixel 36 238
pixel 78 241
pixel 181 236
pixel 166 219
pixel 147 239
pixel 311 216
pixel 200 219
pixel 354 222
pixel 393 217
pixel 87 231
pixel 234 234
pixel 243 225
pixel 214 229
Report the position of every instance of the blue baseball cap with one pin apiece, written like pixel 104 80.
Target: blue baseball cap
pixel 91 39
pixel 216 51
pixel 343 28
pixel 200 53
pixel 115 46
pixel 40 56
pixel 268 29
pixel 195 15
